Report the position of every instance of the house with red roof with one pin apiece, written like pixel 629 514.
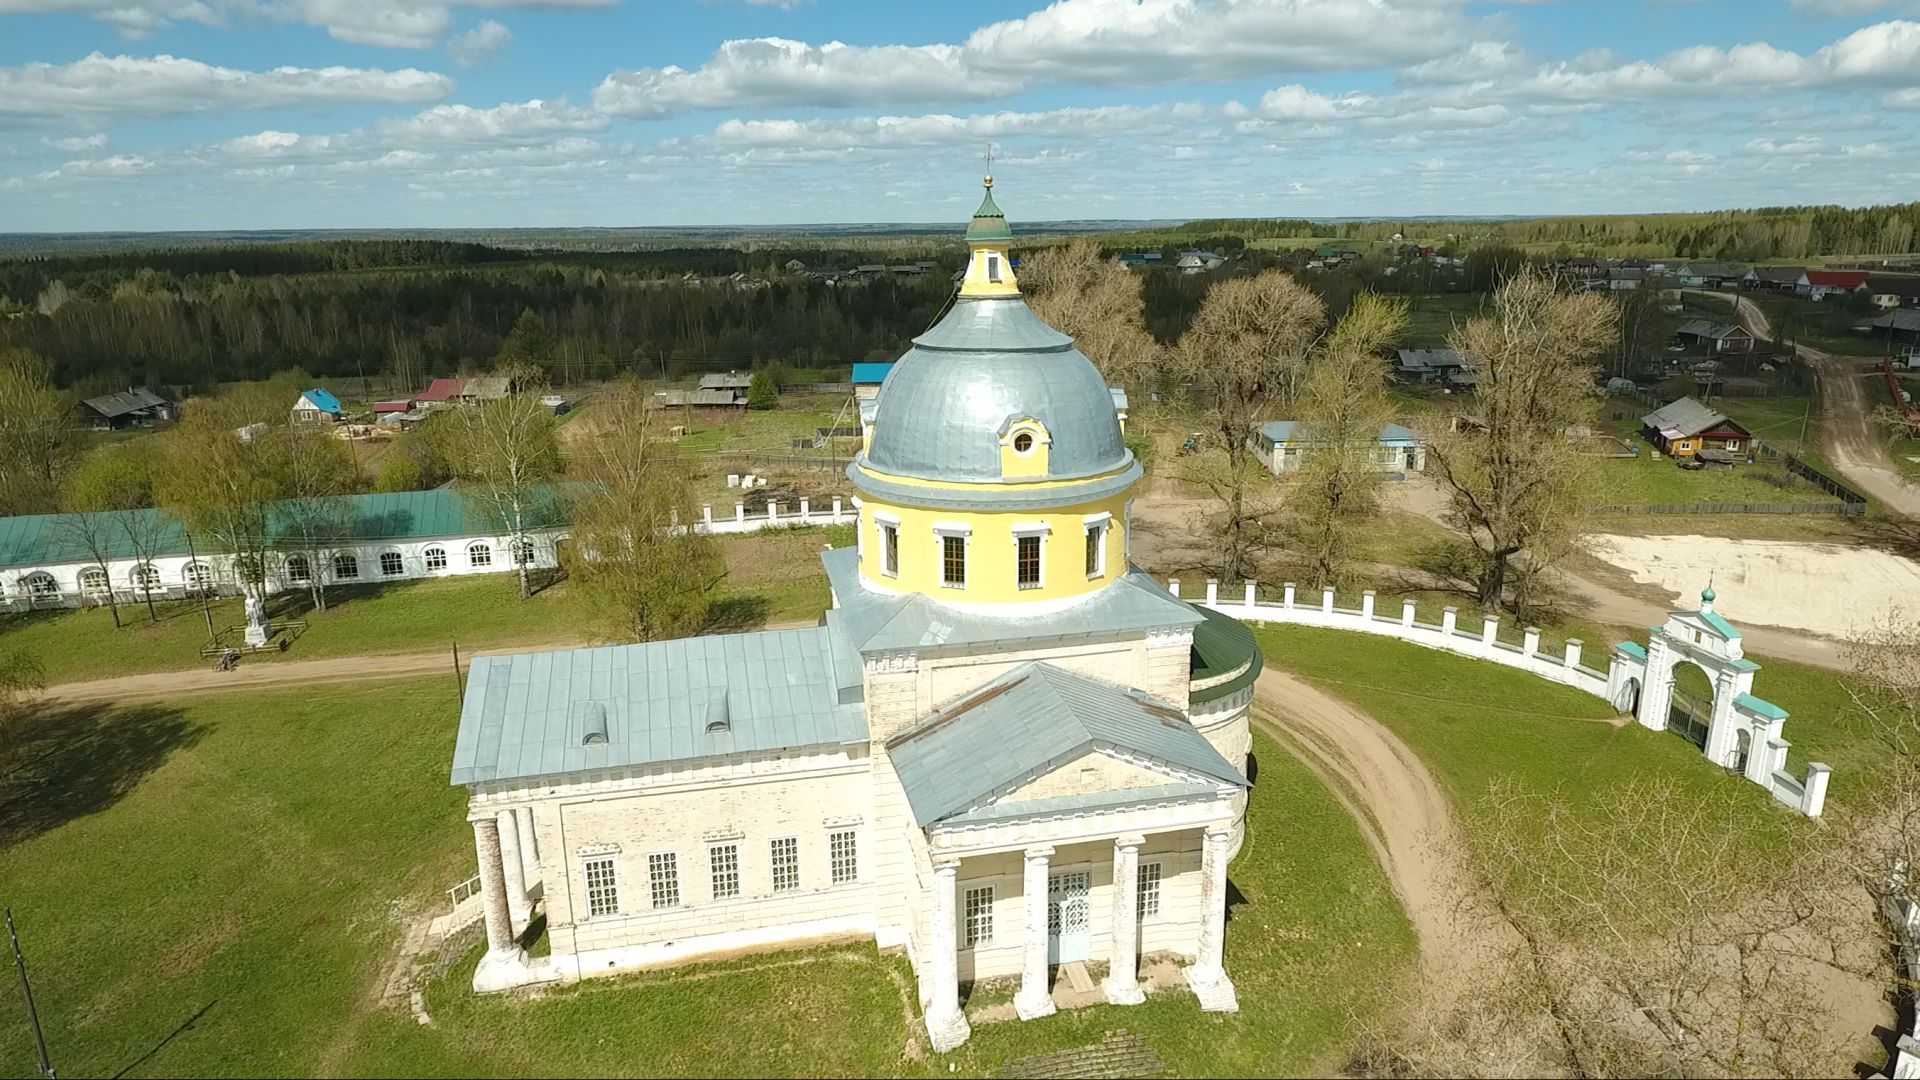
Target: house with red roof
pixel 1820 284
pixel 442 392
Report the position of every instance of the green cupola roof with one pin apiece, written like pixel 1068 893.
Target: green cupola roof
pixel 989 224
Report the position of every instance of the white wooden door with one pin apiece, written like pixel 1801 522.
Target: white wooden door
pixel 1069 916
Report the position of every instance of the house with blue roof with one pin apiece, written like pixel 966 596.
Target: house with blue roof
pixel 867 378
pixel 1283 445
pixel 1003 750
pixel 317 407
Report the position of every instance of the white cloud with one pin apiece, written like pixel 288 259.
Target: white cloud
pixel 403 24
pixel 505 124
pixel 1903 99
pixel 1688 157
pixel 776 71
pixel 117 165
pixel 1804 146
pixel 74 144
pixel 1138 42
pixel 479 44
pixel 100 85
pixel 906 132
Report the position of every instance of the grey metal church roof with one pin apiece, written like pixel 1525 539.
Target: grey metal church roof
pixel 531 714
pixel 880 622
pixel 946 402
pixel 1030 721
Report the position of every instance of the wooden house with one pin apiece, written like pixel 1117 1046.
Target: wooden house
pixel 1685 427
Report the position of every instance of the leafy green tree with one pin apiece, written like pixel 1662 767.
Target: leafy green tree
pixel 761 391
pixel 220 486
pixel 399 472
pixel 113 488
pixel 645 573
pixel 36 434
pixel 311 469
pixel 528 344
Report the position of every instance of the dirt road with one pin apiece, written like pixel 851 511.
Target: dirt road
pixel 1849 435
pixel 1401 811
pixel 262 674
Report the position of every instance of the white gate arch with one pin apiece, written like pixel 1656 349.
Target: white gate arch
pixel 1707 640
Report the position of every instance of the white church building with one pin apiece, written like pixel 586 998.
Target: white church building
pixel 1003 751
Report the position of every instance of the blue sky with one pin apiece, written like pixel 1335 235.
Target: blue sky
pixel 249 114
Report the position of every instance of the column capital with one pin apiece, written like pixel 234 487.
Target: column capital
pixel 946 865
pixel 1039 853
pixel 1219 832
pixel 483 817
pixel 1129 840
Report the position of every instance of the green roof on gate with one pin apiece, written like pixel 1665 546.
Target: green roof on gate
pixel 1762 706
pixel 1633 649
pixel 52 539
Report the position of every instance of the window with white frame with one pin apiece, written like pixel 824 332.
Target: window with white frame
pixel 346 567
pixel 1097 546
pixel 479 555
pixel 197 575
pixel 953 555
pixel 93 581
pixel 843 852
pixel 603 892
pixel 890 548
pixel 663 879
pixel 436 558
pixel 1146 893
pixel 786 864
pixel 391 565
pixel 724 862
pixel 1029 555
pixel 522 552
pixel 993 268
pixel 41 585
pixel 299 571
pixel 146 577
pixel 977 912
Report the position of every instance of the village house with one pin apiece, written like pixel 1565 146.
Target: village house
pixel 1713 337
pixel 316 407
pixel 1427 365
pixel 1891 291
pixel 137 408
pixel 1003 751
pixel 1282 446
pixel 440 393
pixel 1708 275
pixel 1685 427
pixel 1820 284
pixel 1773 278
pixel 867 378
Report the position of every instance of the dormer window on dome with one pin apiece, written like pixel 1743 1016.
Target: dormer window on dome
pixel 1024 446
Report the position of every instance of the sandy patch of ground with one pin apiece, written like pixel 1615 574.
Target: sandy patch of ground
pixel 1826 589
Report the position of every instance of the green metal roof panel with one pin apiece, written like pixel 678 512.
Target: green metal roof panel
pixel 1220 645
pixel 1035 718
pixel 406 515
pixel 1633 649
pixel 1720 626
pixel 1070 804
pixel 529 715
pixel 1761 706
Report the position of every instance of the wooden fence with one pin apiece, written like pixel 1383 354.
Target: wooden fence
pixel 1841 509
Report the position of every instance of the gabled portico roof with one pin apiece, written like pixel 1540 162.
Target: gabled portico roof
pixel 1033 720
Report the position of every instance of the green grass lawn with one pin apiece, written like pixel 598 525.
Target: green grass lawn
pixel 772 578
pixel 1473 722
pixel 1644 479
pixel 1780 421
pixel 1431 318
pixel 215 888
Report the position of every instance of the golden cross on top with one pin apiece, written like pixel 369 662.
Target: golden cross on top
pixel 989 157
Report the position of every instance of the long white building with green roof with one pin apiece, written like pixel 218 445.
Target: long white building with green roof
pixel 74 560
pixel 1003 751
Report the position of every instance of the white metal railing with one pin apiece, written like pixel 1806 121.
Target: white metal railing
pixel 463 891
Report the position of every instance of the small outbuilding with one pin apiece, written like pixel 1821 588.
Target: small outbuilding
pixel 138 407
pixel 867 378
pixel 1713 337
pixel 316 406
pixel 1282 445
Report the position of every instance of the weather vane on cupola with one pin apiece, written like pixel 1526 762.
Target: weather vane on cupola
pixel 989 157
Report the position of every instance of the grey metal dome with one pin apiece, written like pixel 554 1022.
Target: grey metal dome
pixel 944 406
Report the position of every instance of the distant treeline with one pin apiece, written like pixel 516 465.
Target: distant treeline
pixel 1779 232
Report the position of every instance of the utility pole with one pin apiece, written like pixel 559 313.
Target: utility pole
pixel 26 987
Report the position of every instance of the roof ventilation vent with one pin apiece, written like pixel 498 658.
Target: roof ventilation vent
pixel 593 723
pixel 718 721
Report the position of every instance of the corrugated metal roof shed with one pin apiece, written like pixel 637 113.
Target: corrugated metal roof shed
pixel 128 401
pixel 1285 431
pixel 1030 721
pixel 531 714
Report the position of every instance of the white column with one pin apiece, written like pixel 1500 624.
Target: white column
pixel 1208 975
pixel 706 516
pixel 1213 591
pixel 1035 998
pixel 1449 620
pixel 1286 599
pixel 1489 629
pixel 1250 594
pixel 1326 599
pixel 529 850
pixel 1366 605
pixel 740 513
pixel 515 870
pixel 505 962
pixel 1406 613
pixel 1573 652
pixel 1123 985
pixel 1173 586
pixel 806 508
pixel 946 1024
pixel 1530 640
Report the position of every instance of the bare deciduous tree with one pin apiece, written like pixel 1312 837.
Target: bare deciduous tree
pixel 647 573
pixel 220 486
pixel 1247 344
pixel 1099 303
pixel 1343 406
pixel 312 469
pixel 505 454
pixel 1515 480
